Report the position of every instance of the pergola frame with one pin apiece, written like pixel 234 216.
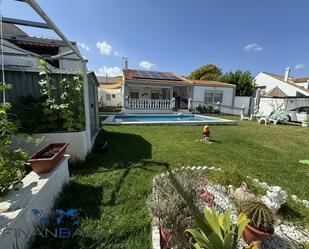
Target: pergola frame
pixel 49 24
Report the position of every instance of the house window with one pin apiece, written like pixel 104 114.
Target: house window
pixel 134 93
pixel 155 94
pixel 208 99
pixel 113 96
pixel 218 96
pixel 108 97
pixel 213 97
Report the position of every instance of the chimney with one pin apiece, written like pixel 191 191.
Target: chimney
pixel 306 86
pixel 125 62
pixel 287 74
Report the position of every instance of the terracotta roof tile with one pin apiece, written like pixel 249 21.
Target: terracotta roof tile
pixel 212 83
pixel 276 92
pixel 128 75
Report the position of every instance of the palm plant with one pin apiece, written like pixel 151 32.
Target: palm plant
pixel 217 231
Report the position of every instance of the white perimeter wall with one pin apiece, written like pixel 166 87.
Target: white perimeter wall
pixel 241 101
pixel 267 105
pixel 228 93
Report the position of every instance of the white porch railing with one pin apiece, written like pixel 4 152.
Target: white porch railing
pixel 149 104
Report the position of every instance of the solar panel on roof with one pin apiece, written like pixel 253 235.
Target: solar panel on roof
pixel 150 74
pixel 154 75
pixel 157 75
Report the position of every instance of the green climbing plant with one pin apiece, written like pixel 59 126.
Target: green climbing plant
pixel 12 161
pixel 66 113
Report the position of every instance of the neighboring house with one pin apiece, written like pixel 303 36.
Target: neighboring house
pixel 110 91
pixel 162 91
pixel 22 54
pixel 282 86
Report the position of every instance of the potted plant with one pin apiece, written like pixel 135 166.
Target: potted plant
pixel 48 157
pixel 171 210
pixel 305 123
pixel 261 225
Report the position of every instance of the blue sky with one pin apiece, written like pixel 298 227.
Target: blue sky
pixel 181 35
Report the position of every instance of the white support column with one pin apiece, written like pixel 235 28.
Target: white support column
pixel 190 104
pixel 86 104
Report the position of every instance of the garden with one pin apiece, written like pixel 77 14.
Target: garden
pixel 155 180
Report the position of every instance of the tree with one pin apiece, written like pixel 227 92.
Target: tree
pixel 206 72
pixel 244 82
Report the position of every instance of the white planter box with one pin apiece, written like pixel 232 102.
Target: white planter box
pixel 38 191
pixel 78 147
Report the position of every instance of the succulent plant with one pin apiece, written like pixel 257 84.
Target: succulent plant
pixel 217 231
pixel 261 217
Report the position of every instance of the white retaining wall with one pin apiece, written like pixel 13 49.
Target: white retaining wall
pixel 78 148
pixel 37 191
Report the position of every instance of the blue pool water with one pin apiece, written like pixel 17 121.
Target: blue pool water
pixel 162 118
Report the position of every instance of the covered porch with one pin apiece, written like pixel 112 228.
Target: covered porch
pixel 156 97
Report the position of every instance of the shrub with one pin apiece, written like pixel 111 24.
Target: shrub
pixel 11 161
pixel 169 205
pixel 207 109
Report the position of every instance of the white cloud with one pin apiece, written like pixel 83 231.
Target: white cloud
pixel 299 66
pixel 253 47
pixel 146 64
pixel 110 71
pixel 104 48
pixel 83 46
pixel 116 53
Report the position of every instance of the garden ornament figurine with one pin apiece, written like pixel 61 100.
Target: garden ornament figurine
pixel 243 194
pixel 206 134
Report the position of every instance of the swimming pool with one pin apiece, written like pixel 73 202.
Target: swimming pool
pixel 175 119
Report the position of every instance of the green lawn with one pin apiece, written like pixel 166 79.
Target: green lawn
pixel 111 188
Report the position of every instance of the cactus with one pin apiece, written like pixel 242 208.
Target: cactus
pixel 261 217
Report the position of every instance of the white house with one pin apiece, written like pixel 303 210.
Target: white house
pixel 282 86
pixel 154 91
pixel 110 91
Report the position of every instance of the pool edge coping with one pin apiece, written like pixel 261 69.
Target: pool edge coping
pixel 220 121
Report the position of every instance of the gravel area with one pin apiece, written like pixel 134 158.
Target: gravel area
pixel 284 234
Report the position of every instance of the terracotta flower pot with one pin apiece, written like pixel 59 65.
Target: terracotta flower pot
pixel 164 242
pixel 251 234
pixel 47 158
